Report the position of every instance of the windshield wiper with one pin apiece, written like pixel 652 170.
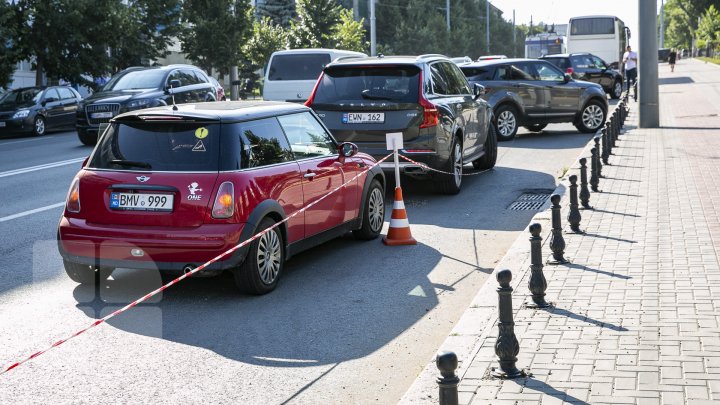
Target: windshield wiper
pixel 366 94
pixel 130 163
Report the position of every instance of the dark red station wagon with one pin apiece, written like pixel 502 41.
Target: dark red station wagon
pixel 170 188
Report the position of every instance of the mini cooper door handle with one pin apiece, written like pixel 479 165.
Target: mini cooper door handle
pixel 309 175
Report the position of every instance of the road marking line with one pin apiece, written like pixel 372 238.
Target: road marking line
pixel 41 167
pixel 30 212
pixel 27 140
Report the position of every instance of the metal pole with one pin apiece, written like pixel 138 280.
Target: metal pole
pixel 234 93
pixel 514 42
pixel 649 110
pixel 662 23
pixel 397 168
pixel 356 10
pixel 487 26
pixel 447 13
pixel 372 28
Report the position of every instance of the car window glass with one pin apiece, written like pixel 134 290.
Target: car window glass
pixel 598 62
pixel 351 84
pixel 306 66
pixel 306 136
pixel 200 77
pixel 477 73
pixel 65 93
pixel 581 61
pixel 522 71
pixel 188 77
pixel 139 79
pixel 177 75
pixel 51 94
pixel 439 79
pixel 263 143
pixel 458 83
pixel 562 63
pixel 548 72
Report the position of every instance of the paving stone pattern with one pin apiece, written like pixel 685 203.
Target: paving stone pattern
pixel 637 314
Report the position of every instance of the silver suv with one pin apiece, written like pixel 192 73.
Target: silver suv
pixel 534 93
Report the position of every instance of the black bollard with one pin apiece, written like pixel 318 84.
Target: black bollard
pixel 447 363
pixel 594 180
pixel 557 242
pixel 605 144
pixel 615 130
pixel 584 191
pixel 506 346
pixel 537 283
pixel 596 139
pixel 619 125
pixel 574 216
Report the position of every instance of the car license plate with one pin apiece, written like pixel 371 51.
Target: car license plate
pixel 141 202
pixel 104 114
pixel 363 118
pixel 2 124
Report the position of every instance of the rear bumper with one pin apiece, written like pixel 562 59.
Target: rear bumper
pixel 162 248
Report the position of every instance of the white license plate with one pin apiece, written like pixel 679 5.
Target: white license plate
pixel 141 202
pixel 106 114
pixel 363 118
pixel 2 124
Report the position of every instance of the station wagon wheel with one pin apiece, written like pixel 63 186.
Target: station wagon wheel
pixel 451 183
pixel 591 118
pixel 261 270
pixel 506 123
pixel 373 213
pixel 39 126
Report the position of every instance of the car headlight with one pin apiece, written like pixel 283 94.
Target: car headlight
pixel 21 114
pixel 142 103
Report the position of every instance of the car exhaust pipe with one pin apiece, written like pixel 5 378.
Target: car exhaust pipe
pixel 188 268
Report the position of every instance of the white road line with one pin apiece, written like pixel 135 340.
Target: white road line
pixel 30 212
pixel 27 140
pixel 41 167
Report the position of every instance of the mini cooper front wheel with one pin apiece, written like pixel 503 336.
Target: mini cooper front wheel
pixel 260 272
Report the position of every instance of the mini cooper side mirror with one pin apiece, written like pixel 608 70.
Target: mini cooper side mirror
pixel 347 149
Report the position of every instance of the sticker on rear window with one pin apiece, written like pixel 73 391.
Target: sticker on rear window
pixel 201 133
pixel 199 147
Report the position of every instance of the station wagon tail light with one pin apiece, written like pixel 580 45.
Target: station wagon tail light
pixel 431 117
pixel 310 99
pixel 569 70
pixel 73 198
pixel 224 206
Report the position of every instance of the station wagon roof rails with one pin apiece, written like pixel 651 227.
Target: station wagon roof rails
pixel 431 55
pixel 339 58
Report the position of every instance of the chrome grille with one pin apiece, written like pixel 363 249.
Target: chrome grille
pixel 95 108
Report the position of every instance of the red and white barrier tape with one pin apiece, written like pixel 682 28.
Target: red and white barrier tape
pixel 190 273
pixel 426 167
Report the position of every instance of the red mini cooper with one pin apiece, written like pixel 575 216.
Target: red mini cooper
pixel 170 188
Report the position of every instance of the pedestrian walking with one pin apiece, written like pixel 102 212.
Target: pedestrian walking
pixel 671 59
pixel 630 60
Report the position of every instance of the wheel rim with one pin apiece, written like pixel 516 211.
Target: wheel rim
pixel 592 116
pixel 39 126
pixel 376 210
pixel 506 123
pixel 269 255
pixel 618 89
pixel 457 164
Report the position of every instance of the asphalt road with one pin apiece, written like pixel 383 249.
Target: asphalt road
pixel 351 322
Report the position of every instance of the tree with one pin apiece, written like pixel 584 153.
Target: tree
pixel 266 38
pixel 280 12
pixel 215 31
pixel 314 24
pixel 350 34
pixel 709 28
pixel 10 20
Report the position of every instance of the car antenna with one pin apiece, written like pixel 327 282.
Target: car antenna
pixel 172 95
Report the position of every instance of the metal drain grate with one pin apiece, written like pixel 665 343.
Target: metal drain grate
pixel 529 201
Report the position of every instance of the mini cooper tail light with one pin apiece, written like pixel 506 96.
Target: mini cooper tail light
pixel 72 203
pixel 431 117
pixel 224 206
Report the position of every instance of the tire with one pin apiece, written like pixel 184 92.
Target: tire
pixel 488 160
pixel 86 138
pixel 535 127
pixel 39 126
pixel 373 213
pixel 84 274
pixel 261 270
pixel 591 118
pixel 447 183
pixel 506 123
pixel 617 89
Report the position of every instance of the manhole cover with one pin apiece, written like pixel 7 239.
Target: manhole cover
pixel 529 201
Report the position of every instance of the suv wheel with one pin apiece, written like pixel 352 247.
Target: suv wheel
pixel 506 122
pixel 535 127
pixel 591 118
pixel 616 90
pixel 450 183
pixel 86 138
pixel 373 213
pixel 261 270
pixel 487 161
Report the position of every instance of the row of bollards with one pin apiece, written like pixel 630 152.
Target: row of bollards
pixel 506 346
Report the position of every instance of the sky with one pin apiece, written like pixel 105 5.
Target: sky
pixel 560 11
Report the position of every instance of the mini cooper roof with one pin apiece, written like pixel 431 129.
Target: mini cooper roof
pixel 223 111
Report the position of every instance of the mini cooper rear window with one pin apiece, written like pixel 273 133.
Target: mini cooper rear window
pixel 159 146
pixel 369 84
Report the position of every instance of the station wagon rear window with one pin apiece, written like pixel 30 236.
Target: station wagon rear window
pixel 306 66
pixel 367 84
pixel 161 146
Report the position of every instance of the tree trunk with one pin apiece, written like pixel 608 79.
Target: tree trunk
pixel 39 71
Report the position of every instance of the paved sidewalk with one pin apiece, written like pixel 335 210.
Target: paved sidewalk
pixel 637 314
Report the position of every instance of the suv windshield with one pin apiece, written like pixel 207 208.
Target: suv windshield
pixel 362 84
pixel 21 97
pixel 305 66
pixel 159 146
pixel 139 79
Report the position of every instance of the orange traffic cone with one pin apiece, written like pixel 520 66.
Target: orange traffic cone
pixel 399 231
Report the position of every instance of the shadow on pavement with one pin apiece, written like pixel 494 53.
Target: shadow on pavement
pixel 607 273
pixel 540 386
pixel 594 235
pixel 675 80
pixel 584 318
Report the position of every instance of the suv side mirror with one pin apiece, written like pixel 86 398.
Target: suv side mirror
pixel 478 90
pixel 174 84
pixel 566 78
pixel 348 149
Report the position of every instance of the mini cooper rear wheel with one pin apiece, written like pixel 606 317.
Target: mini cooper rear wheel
pixel 373 213
pixel 260 272
pixel 84 274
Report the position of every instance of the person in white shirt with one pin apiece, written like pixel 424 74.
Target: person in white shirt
pixel 630 60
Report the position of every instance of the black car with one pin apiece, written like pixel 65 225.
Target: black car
pixel 443 122
pixel 590 68
pixel 534 93
pixel 37 110
pixel 142 87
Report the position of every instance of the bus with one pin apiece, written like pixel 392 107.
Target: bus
pixel 544 44
pixel 603 35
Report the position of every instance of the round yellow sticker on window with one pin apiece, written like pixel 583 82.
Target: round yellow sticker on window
pixel 201 133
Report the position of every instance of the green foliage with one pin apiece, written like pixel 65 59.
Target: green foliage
pixel 315 23
pixel 280 12
pixel 349 34
pixel 709 28
pixel 215 30
pixel 10 21
pixel 681 20
pixel 266 38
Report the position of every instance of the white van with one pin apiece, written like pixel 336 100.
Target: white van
pixel 291 74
